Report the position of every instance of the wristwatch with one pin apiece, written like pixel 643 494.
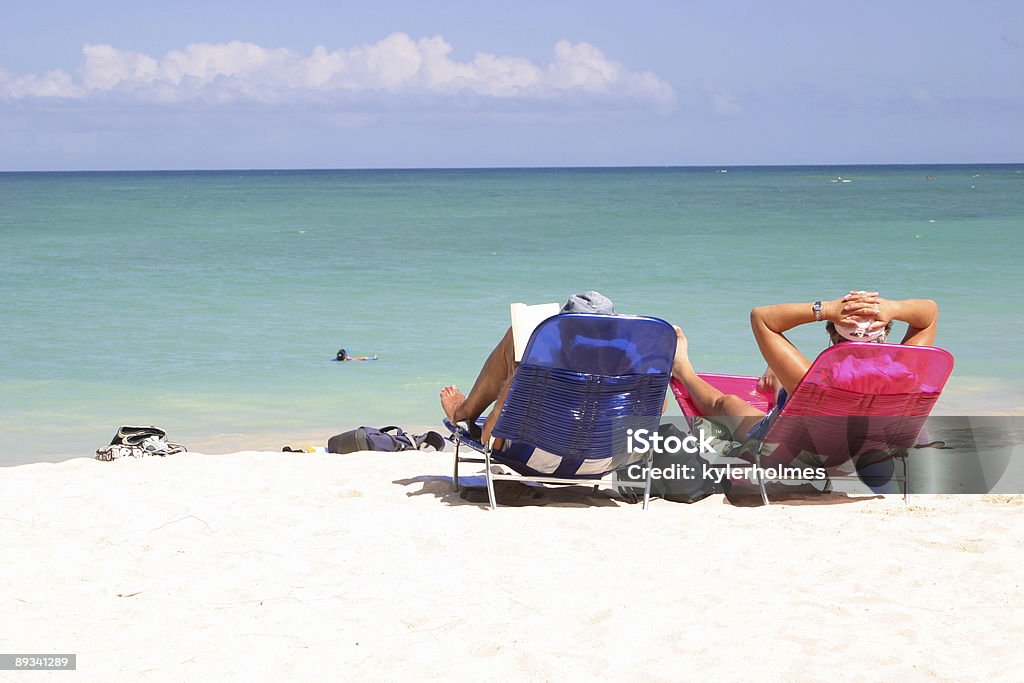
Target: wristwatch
pixel 817 311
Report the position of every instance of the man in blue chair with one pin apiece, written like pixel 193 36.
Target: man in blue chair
pixel 495 378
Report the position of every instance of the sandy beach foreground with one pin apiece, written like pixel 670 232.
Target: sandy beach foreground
pixel 272 566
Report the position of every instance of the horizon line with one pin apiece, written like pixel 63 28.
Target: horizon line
pixel 326 169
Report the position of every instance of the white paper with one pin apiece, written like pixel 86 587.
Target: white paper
pixel 525 320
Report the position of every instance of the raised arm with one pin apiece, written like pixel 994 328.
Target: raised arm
pixel 770 322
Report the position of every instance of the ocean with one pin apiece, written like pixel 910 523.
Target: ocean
pixel 211 304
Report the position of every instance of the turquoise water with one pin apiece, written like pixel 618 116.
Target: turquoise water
pixel 211 303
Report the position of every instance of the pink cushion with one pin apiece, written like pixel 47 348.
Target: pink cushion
pixel 876 375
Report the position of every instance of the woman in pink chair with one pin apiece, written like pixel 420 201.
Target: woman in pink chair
pixel 858 316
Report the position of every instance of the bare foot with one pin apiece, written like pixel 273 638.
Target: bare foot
pixel 451 400
pixel 681 363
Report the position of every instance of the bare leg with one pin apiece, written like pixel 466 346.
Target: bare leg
pixel 492 418
pixel 730 410
pixel 491 386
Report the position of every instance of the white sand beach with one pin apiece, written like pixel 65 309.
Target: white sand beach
pixel 276 566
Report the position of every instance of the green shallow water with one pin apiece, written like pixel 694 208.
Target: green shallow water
pixel 211 303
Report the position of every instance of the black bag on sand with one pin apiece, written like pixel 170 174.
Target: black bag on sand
pixel 384 439
pixel 681 477
pixel 133 435
pixel 136 441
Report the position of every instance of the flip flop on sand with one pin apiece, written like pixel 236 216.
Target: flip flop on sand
pixel 432 439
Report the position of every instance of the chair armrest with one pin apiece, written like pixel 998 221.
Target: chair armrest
pixel 740 385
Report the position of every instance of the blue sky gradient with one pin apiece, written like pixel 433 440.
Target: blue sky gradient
pixel 309 84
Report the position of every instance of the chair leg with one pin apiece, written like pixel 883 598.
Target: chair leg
pixel 490 482
pixel 906 477
pixel 455 472
pixel 760 479
pixel 648 478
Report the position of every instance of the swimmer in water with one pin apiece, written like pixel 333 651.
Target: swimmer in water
pixel 343 356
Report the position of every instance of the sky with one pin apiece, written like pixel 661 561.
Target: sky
pixel 119 85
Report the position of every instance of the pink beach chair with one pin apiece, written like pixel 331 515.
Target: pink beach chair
pixel 859 402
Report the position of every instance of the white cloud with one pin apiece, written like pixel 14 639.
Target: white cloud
pixel 55 83
pixel 396 67
pixel 726 104
pixel 105 68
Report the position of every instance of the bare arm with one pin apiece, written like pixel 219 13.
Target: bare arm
pixel 922 318
pixel 770 322
pixel 789 365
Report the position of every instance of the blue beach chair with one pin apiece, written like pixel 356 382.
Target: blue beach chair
pixel 583 382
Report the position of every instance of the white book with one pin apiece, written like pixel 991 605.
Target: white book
pixel 525 320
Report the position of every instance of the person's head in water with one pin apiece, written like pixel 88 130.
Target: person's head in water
pixel 342 355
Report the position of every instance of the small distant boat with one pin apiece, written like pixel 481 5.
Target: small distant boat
pixel 841 179
pixel 723 170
